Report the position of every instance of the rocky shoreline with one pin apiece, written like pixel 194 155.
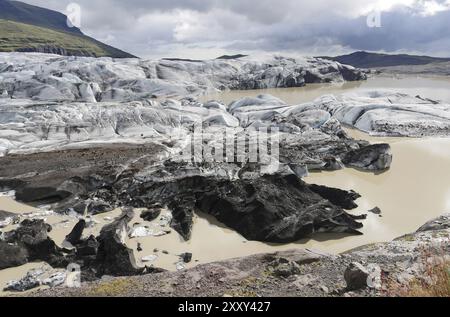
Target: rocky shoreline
pixel 380 269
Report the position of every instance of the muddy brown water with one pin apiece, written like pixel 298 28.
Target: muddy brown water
pixel 436 88
pixel 415 190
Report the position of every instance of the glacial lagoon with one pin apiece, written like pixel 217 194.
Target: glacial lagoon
pixel 414 190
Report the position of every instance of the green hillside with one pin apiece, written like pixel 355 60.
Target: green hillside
pixel 30 14
pixel 22 37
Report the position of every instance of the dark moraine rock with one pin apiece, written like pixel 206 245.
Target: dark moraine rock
pixel 88 247
pixel 359 217
pixel 10 184
pixel 274 209
pixel 270 208
pixel 286 269
pixel 32 236
pixel 75 235
pixel 186 257
pixel 98 207
pixel 318 152
pixel 151 214
pixel 375 157
pixel 440 223
pixel 376 211
pixel 41 195
pixel 339 197
pixel 356 276
pixel 183 209
pixel 12 255
pixel 113 256
pixel 30 232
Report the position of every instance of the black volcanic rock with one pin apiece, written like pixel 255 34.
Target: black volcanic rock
pixel 98 207
pixel 376 211
pixel 151 214
pixel 270 208
pixel 30 232
pixel 113 256
pixel 88 247
pixel 40 195
pixel 32 237
pixel 186 257
pixel 75 235
pixel 12 255
pixel 274 209
pixel 183 209
pixel 342 198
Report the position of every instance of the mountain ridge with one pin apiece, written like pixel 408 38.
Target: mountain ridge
pixel 30 14
pixel 363 59
pixel 28 28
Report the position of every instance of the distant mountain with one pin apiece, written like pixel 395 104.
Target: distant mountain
pixel 228 57
pixel 374 60
pixel 28 28
pixel 29 14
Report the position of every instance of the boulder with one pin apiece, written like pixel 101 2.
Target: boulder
pixel 88 247
pixel 377 157
pixel 356 276
pixel 31 232
pixel 113 256
pixel 75 235
pixel 151 214
pixel 440 223
pixel 41 195
pixel 339 197
pixel 32 236
pixel 376 211
pixel 98 207
pixel 285 268
pixel 12 255
pixel 186 257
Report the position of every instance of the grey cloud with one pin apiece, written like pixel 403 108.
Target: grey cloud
pixel 192 27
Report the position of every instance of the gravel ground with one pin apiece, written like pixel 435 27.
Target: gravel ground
pixel 295 273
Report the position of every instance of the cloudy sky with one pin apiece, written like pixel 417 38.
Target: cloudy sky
pixel 208 28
